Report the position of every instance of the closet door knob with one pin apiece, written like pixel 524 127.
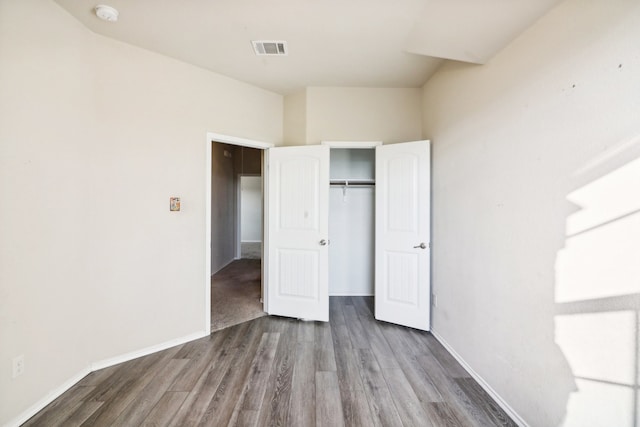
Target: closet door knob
pixel 323 242
pixel 421 246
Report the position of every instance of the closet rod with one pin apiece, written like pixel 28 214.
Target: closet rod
pixel 353 183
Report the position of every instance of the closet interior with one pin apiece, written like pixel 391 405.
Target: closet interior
pixel 351 221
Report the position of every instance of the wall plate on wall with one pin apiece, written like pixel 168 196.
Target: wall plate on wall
pixel 174 204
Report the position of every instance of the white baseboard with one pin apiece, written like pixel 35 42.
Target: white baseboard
pixel 251 241
pixel 50 397
pixel 105 363
pixel 58 391
pixel 499 400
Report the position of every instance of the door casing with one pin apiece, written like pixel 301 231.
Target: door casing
pixel 226 139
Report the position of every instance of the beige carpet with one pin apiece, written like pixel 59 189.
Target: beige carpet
pixel 251 250
pixel 235 294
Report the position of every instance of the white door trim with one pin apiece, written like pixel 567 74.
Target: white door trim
pixel 235 140
pixel 227 139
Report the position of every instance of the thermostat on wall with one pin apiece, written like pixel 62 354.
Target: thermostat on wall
pixel 174 204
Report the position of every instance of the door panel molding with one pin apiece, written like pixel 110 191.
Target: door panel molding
pixel 298 218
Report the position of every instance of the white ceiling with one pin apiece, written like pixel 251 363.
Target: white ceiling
pixel 359 43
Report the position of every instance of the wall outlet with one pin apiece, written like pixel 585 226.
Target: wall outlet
pixel 434 300
pixel 18 365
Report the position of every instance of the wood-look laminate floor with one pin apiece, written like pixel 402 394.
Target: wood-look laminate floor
pixel 272 371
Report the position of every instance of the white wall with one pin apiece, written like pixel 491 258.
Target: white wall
pixel 362 114
pixel 251 209
pixel 46 125
pixel 352 236
pixel 95 136
pixel 295 118
pixel 536 232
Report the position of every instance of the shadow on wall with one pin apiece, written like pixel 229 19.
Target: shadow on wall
pixel 597 293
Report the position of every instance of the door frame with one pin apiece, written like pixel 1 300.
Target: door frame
pixel 212 137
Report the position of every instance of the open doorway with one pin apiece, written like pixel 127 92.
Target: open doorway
pixel 236 234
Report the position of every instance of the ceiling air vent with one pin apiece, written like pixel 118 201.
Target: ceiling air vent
pixel 270 47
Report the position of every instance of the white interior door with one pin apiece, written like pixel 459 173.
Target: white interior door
pixel 298 255
pixel 402 277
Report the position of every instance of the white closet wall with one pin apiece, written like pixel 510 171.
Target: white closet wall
pixel 351 223
pixel 353 164
pixel 351 252
pixel 250 209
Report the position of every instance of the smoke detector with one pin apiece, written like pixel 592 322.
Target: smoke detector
pixel 106 13
pixel 270 47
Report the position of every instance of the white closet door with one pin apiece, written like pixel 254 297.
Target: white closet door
pixel 298 256
pixel 402 288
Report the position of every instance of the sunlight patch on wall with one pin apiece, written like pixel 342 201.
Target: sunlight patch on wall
pixel 602 248
pixel 586 407
pixel 600 348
